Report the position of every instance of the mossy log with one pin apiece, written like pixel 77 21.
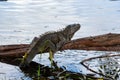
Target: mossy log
pixel 106 42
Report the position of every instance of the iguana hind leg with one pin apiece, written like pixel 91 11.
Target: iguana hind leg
pixel 24 61
pixel 32 52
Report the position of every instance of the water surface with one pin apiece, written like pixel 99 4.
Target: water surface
pixel 21 20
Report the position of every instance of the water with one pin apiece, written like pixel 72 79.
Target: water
pixel 21 20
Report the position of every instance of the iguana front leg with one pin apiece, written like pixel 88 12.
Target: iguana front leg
pixel 52 49
pixel 51 46
pixel 61 42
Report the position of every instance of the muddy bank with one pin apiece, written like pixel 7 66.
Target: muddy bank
pixel 105 42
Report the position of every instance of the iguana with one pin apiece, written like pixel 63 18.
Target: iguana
pixel 50 41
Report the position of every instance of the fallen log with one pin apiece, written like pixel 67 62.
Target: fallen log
pixel 106 42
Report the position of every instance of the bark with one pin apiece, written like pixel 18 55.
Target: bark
pixel 106 42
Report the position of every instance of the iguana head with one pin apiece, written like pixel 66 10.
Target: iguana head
pixel 71 29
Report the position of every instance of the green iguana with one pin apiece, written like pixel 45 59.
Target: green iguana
pixel 50 41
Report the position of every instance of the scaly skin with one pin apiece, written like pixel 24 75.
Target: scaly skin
pixel 50 41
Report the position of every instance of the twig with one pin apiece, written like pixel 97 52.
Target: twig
pixel 103 56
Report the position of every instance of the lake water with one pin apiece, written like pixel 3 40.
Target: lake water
pixel 21 20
